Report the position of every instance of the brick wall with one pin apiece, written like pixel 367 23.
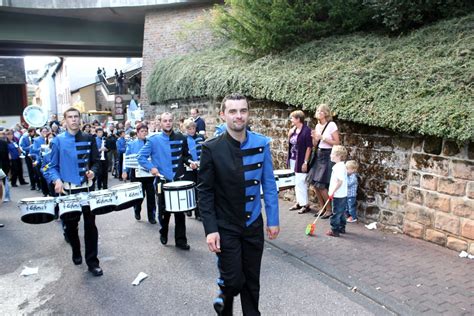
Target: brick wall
pixel 169 33
pixel 421 186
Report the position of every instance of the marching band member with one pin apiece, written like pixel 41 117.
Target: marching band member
pixel 233 167
pixel 133 147
pixel 26 144
pixel 103 175
pixel 195 141
pixel 35 152
pixel 168 151
pixel 74 162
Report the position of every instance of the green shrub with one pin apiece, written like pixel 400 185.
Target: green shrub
pixel 422 82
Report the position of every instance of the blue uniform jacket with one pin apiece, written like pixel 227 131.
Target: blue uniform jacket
pixel 230 177
pixel 37 142
pixel 71 157
pixel 194 145
pixel 168 154
pixel 134 147
pixel 121 145
pixel 25 143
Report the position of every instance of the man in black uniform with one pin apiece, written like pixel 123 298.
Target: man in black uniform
pixel 233 167
pixel 74 162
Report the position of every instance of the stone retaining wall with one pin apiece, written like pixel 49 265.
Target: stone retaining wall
pixel 421 186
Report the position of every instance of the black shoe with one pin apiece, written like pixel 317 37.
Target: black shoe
pixel 199 218
pixel 164 240
pixel 33 189
pixel 183 246
pixel 38 189
pixel 152 221
pixel 295 207
pixel 326 216
pixel 96 271
pixel 2 225
pixel 14 186
pixel 137 216
pixel 77 260
pixel 189 213
pixel 342 230
pixel 24 183
pixel 219 305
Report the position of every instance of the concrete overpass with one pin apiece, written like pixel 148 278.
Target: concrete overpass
pixel 108 28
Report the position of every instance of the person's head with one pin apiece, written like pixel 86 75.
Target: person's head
pixel 72 116
pixel 9 135
pixel 297 117
pixel 166 122
pixel 142 131
pixel 152 126
pixel 338 153
pixel 352 166
pixel 323 113
pixel 44 131
pixel 86 128
pixel 54 127
pixel 31 131
pixel 189 127
pixel 158 122
pixel 120 133
pixel 50 138
pixel 120 125
pixel 111 126
pixel 93 129
pixel 194 113
pixel 128 124
pixel 54 117
pixel 132 134
pixel 99 132
pixel 235 112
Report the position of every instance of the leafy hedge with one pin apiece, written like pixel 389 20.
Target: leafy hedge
pixel 422 82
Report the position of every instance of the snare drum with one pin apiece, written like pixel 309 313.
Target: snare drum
pixel 179 196
pixel 102 202
pixel 286 179
pixel 37 210
pixel 127 195
pixel 69 207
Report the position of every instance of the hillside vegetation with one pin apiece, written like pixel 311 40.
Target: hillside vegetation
pixel 422 82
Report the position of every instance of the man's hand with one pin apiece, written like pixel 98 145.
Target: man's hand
pixel 90 174
pixel 58 186
pixel 155 172
pixel 193 165
pixel 124 176
pixel 214 242
pixel 273 231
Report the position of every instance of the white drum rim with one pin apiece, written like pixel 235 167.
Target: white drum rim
pixel 36 200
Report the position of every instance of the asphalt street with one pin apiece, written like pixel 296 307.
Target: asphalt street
pixel 179 282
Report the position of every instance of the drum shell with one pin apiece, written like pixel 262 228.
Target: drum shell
pixel 102 202
pixel 38 211
pixel 286 179
pixel 69 207
pixel 127 195
pixel 180 196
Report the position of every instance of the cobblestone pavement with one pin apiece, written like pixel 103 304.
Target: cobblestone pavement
pixel 406 275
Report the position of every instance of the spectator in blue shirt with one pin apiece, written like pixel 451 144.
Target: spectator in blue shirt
pixel 15 161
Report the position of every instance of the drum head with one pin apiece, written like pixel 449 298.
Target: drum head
pixel 284 173
pixel 34 200
pixel 35 116
pixel 126 186
pixel 178 185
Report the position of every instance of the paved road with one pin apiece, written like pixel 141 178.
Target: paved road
pixel 179 283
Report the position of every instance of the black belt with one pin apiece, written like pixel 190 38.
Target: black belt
pixel 325 149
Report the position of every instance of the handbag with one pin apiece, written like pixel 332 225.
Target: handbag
pixel 314 152
pixel 313 158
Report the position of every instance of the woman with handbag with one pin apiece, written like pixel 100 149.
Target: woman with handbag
pixel 325 136
pixel 299 150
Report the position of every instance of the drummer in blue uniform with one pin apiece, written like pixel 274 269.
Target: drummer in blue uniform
pixel 195 141
pixel 169 153
pixel 74 163
pixel 133 147
pixel 35 152
pixel 233 167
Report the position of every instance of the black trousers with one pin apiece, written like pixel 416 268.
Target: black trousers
pixel 91 235
pixel 31 172
pixel 102 177
pixel 43 184
pixel 164 218
pixel 17 171
pixel 239 265
pixel 149 191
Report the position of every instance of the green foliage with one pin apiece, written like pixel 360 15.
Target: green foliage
pixel 403 15
pixel 267 26
pixel 422 82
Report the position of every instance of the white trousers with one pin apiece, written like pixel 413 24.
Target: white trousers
pixel 301 189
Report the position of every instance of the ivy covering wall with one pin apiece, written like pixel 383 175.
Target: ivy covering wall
pixel 422 82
